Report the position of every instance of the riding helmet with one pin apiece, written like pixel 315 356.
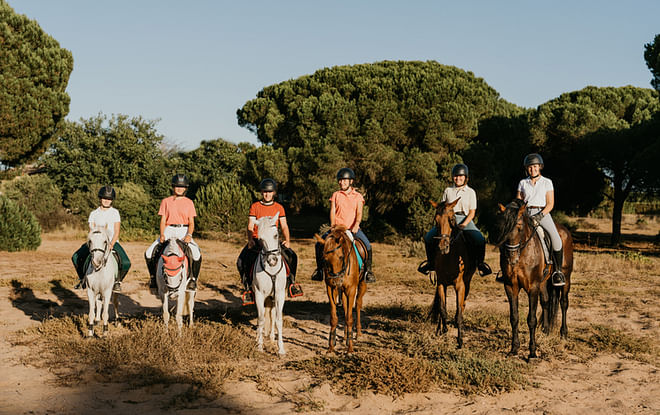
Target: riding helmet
pixel 107 192
pixel 345 173
pixel 533 158
pixel 180 180
pixel 268 185
pixel 459 170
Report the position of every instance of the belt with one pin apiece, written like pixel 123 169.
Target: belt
pixel 179 225
pixel 535 207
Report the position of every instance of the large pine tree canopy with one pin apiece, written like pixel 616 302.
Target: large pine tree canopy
pixel 34 72
pixel 397 124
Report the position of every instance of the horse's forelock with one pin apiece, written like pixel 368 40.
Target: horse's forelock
pixel 507 220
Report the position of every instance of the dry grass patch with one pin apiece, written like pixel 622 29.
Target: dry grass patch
pixel 142 353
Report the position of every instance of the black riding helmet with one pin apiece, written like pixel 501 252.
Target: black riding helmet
pixel 533 158
pixel 268 185
pixel 345 173
pixel 107 192
pixel 180 180
pixel 459 170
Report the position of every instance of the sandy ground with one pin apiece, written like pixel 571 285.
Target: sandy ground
pixel 606 384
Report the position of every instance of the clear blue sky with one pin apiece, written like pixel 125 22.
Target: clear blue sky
pixel 192 64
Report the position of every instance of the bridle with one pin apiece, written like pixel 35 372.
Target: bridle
pixel 450 240
pixel 345 265
pixel 104 250
pixel 269 253
pixel 510 250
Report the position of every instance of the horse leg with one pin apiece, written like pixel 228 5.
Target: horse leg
pixel 91 297
pixel 563 331
pixel 545 309
pixel 442 324
pixel 271 312
pixel 279 311
pixel 105 315
pixel 190 297
pixel 259 301
pixel 512 296
pixel 349 296
pixel 166 309
pixel 180 300
pixel 333 319
pixel 115 306
pixel 460 307
pixel 533 296
pixel 362 289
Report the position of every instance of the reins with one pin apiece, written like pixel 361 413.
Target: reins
pixel 345 265
pixel 104 250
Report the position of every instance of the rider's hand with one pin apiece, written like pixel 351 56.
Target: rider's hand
pixel 162 238
pixel 537 218
pixel 187 239
pixel 355 229
pixel 286 244
pixel 250 243
pixel 462 225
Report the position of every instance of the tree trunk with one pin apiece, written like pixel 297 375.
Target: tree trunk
pixel 620 195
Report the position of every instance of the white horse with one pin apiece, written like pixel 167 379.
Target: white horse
pixel 100 277
pixel 172 279
pixel 269 282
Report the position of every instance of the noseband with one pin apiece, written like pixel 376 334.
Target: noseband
pixel 345 265
pixel 104 250
pixel 511 249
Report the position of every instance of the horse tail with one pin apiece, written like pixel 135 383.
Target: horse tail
pixel 553 295
pixel 435 308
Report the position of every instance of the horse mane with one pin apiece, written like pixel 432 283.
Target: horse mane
pixel 508 219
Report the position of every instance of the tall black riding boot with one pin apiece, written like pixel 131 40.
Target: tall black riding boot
pixel 318 272
pixel 368 275
pixel 426 266
pixel 194 274
pixel 558 278
pixel 151 267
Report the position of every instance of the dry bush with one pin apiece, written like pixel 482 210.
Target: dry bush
pixel 145 353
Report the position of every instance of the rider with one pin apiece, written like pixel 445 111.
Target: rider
pixel 266 207
pixel 464 211
pixel 346 209
pixel 105 216
pixel 177 219
pixel 539 194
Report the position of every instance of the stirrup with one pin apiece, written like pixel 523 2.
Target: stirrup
pixel 117 287
pixel 484 269
pixel 560 281
pixel 192 286
pixel 369 277
pixel 247 297
pixel 500 278
pixel 317 275
pixel 80 285
pixel 295 290
pixel 424 267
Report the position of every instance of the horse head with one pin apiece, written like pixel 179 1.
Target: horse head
pixel 269 238
pixel 98 242
pixel 511 229
pixel 445 223
pixel 173 257
pixel 336 252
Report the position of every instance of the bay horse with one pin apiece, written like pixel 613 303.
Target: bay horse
pixel 342 278
pixel 100 277
pixel 172 276
pixel 523 266
pixel 453 265
pixel 269 282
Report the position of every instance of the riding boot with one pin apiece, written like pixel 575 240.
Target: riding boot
pixel 318 272
pixel 194 274
pixel 79 259
pixel 558 278
pixel 293 288
pixel 426 266
pixel 151 266
pixel 482 266
pixel 248 296
pixel 368 275
pixel 116 288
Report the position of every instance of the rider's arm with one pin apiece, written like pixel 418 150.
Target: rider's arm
pixel 163 225
pixel 285 232
pixel 191 229
pixel 250 229
pixel 549 202
pixel 519 195
pixel 358 218
pixel 332 213
pixel 468 218
pixel 115 238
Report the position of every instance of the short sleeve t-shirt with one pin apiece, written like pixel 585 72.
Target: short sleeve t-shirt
pixel 177 211
pixel 104 218
pixel 468 198
pixel 259 210
pixel 346 204
pixel 534 194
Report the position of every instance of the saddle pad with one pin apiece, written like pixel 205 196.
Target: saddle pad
pixel 544 244
pixel 359 258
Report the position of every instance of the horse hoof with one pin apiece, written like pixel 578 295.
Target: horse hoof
pixel 281 353
pixel 512 353
pixel 532 356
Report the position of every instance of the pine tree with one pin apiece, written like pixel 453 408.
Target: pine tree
pixel 19 229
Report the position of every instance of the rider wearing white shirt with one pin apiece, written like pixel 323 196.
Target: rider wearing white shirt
pixel 105 216
pixel 539 194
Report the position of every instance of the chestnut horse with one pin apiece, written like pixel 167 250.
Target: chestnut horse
pixel 523 266
pixel 453 266
pixel 342 277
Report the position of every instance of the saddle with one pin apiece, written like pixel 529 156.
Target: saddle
pixel 361 252
pixel 546 244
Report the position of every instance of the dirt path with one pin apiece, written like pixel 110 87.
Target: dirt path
pixel 39 284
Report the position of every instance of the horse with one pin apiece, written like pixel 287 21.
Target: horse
pixel 453 265
pixel 342 277
pixel 99 279
pixel 269 282
pixel 172 278
pixel 523 266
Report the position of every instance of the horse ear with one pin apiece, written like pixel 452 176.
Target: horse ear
pixel 277 215
pixel 452 204
pixel 434 204
pixel 318 239
pixel 501 207
pixel 522 208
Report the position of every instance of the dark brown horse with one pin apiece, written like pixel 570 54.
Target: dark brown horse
pixel 523 266
pixel 342 277
pixel 453 266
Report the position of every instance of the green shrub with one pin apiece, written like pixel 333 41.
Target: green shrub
pixel 137 208
pixel 223 206
pixel 19 229
pixel 420 218
pixel 40 196
pixel 561 218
